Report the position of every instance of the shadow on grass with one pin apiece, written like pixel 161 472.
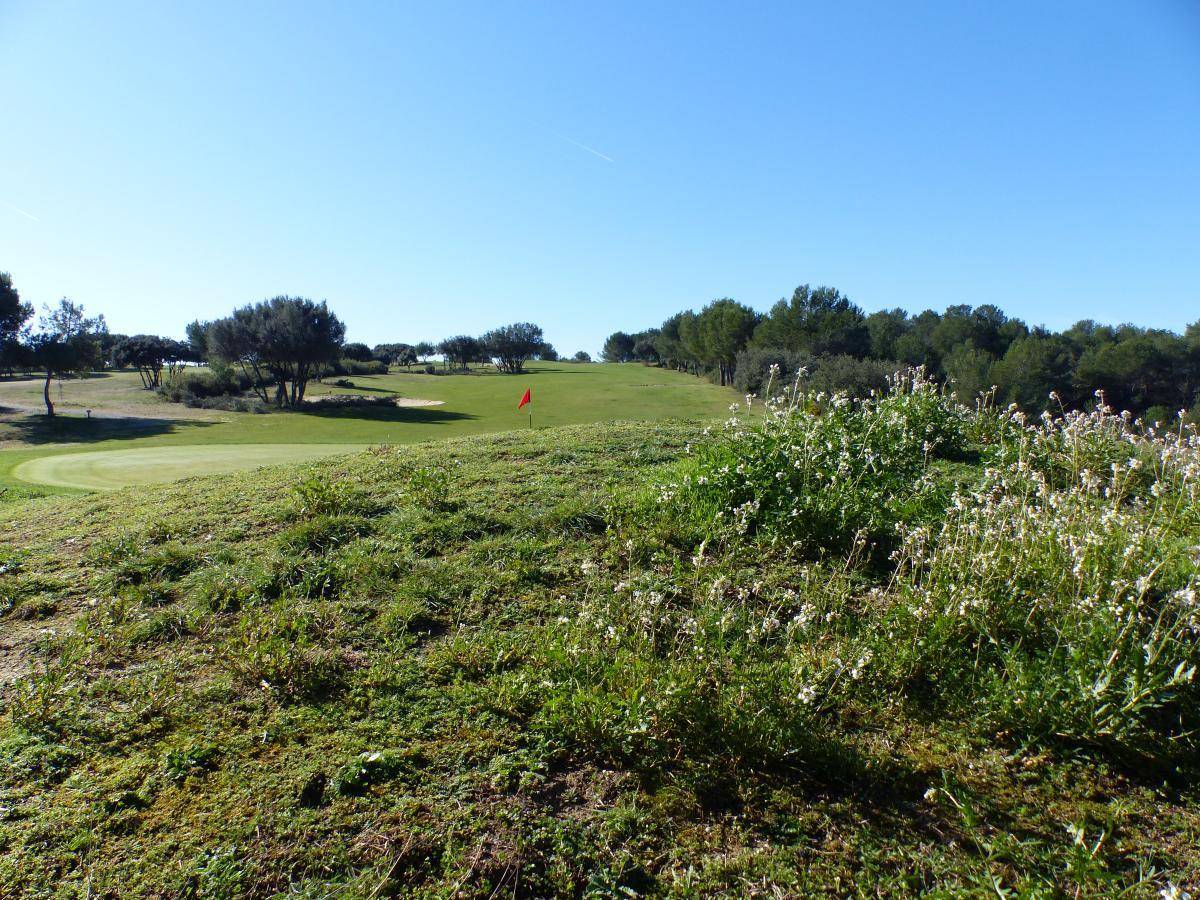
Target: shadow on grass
pixel 410 415
pixel 70 429
pixel 336 390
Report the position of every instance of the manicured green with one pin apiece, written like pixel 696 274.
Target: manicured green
pixel 104 470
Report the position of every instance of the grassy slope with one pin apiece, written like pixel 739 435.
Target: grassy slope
pixel 197 739
pixel 563 393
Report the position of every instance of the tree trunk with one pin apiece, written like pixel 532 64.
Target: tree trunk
pixel 46 395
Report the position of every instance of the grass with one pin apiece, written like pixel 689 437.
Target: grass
pixel 539 664
pixel 564 394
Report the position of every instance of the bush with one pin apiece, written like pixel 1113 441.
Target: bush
pixel 1059 596
pixel 831 374
pixel 217 380
pixel 356 367
pixel 819 470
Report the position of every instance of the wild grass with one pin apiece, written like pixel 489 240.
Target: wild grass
pixel 595 663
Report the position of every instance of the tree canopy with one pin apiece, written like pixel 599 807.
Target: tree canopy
pixel 511 345
pixel 66 342
pixel 279 343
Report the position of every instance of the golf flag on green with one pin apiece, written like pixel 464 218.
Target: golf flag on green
pixel 524 400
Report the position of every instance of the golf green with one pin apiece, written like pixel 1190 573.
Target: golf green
pixel 104 470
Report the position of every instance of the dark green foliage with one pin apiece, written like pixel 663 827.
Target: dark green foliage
pixel 511 345
pixel 280 344
pixel 968 349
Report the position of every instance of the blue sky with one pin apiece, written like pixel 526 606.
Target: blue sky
pixel 420 165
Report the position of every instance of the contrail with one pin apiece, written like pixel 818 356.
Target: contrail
pixel 18 209
pixel 587 148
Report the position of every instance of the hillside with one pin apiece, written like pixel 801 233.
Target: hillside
pixel 502 665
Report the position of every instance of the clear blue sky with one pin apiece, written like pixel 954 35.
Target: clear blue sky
pixel 424 166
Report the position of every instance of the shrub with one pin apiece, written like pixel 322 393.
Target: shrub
pixel 820 469
pixel 829 373
pixel 217 380
pixel 357 367
pixel 1059 596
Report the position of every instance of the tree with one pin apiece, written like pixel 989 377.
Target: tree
pixel 669 345
pixel 968 371
pixel 511 345
pixel 395 354
pixel 423 349
pixel 548 353
pixel 13 316
pixel 282 342
pixel 148 353
pixel 725 327
pixel 618 348
pixel 645 347
pixel 197 338
pixel 357 351
pixel 582 356
pixel 885 328
pixel 462 350
pixel 815 321
pixel 66 342
pixel 1033 367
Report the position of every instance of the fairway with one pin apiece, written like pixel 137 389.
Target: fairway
pixel 134 437
pixel 110 469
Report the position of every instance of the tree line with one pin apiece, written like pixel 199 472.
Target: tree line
pixel 273 348
pixel 1151 372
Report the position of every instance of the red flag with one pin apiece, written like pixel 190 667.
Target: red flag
pixel 524 400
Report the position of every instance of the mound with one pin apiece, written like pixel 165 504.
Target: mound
pixel 497 666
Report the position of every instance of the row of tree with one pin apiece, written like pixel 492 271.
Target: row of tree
pixel 970 348
pixel 279 345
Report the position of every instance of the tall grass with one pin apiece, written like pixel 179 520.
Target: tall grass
pixel 1053 596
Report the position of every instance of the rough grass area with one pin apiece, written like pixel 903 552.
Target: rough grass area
pixel 537 664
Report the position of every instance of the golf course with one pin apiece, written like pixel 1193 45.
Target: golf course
pixel 132 436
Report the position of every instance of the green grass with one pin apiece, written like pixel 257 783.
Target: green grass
pixel 500 666
pixel 563 394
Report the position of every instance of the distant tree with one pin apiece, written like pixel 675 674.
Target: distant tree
pixel 547 353
pixel 669 345
pixel 1141 369
pixel 357 351
pixel 197 338
pixel 815 321
pixel 511 345
pixel 149 353
pixel 461 350
pixel 1033 367
pixel 395 354
pixel 582 356
pixel 66 343
pixel 13 316
pixel 884 328
pixel 645 347
pixel 424 349
pixel 725 327
pixel 968 371
pixel 281 342
pixel 618 348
